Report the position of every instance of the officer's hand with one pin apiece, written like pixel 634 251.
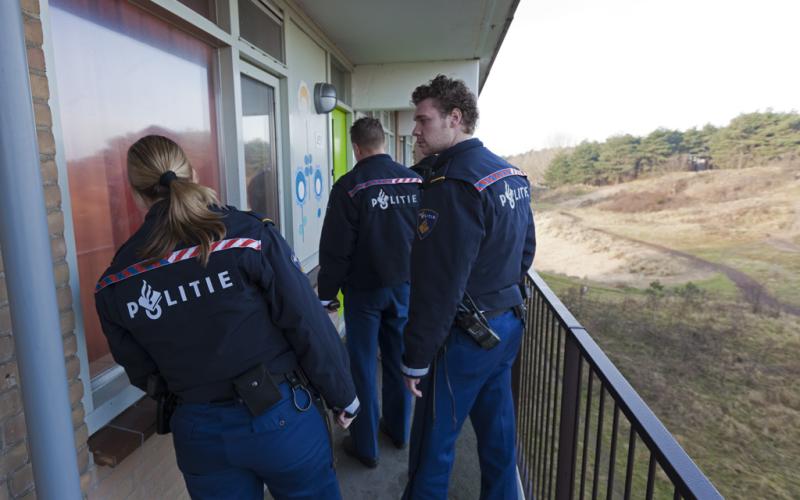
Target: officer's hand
pixel 411 385
pixel 343 420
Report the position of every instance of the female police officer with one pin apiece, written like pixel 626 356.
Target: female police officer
pixel 214 301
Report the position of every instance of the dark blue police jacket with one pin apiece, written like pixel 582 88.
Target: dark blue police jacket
pixel 475 233
pixel 200 327
pixel 369 226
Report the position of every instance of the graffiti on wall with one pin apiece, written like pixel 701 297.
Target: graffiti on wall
pixel 309 183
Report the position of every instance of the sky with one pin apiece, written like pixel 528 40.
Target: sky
pixel 574 70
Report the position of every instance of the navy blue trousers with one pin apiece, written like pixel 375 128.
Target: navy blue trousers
pixel 224 452
pixel 467 381
pixel 376 318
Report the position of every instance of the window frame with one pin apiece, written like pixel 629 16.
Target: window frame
pixel 110 393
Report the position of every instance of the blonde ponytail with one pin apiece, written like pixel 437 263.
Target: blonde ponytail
pixel 159 170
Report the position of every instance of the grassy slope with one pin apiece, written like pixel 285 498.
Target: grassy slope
pixel 719 376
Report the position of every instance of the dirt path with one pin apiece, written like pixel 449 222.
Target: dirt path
pixel 753 291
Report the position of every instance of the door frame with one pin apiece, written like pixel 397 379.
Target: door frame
pixel 262 76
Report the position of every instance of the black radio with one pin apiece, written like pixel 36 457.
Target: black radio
pixel 470 319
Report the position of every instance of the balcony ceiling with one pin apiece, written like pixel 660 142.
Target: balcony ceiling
pixel 390 31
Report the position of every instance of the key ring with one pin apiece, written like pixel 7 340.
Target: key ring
pixel 294 398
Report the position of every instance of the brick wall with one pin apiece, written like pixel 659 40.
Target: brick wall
pixel 16 474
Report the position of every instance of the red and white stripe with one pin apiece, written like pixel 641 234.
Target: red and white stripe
pixel 378 182
pixel 176 256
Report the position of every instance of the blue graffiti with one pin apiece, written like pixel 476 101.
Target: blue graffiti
pixel 318 184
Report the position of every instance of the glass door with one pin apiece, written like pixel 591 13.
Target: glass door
pixel 260 138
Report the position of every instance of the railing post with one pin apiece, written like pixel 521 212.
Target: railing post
pixel 565 470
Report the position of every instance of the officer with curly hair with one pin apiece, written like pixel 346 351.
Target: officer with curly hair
pixel 474 244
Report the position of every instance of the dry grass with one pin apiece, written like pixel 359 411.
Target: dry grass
pixel 720 372
pixel 716 375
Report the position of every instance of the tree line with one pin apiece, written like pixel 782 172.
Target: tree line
pixel 750 139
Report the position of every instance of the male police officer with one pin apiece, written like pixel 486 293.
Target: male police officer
pixel 474 244
pixel 365 251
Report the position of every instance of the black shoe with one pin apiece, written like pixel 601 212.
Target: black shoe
pixel 385 429
pixel 349 448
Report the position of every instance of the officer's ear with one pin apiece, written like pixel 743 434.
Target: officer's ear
pixel 455 118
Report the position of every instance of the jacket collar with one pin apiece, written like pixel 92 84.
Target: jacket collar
pixel 450 152
pixel 369 159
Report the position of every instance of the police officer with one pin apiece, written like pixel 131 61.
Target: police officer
pixel 474 244
pixel 365 251
pixel 213 300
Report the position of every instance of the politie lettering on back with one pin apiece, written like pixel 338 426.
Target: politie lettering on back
pixel 383 201
pixel 510 195
pixel 150 299
pixel 186 290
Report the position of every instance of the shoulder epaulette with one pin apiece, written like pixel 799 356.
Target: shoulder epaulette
pixel 435 180
pixel 490 179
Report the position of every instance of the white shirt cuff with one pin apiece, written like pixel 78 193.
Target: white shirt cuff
pixel 352 409
pixel 414 372
pixel 325 302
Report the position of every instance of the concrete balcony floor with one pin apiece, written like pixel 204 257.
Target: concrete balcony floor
pixel 389 478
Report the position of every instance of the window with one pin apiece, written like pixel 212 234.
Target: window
pixel 388 120
pixel 206 8
pixel 340 78
pixel 122 74
pixel 262 27
pixel 260 155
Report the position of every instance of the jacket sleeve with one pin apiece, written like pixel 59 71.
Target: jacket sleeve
pixel 442 257
pixel 337 242
pixel 529 250
pixel 295 309
pixel 127 352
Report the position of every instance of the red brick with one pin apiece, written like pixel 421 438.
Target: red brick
pixel 75 391
pixel 30 6
pixel 73 367
pixel 41 111
pixel 33 31
pixel 52 196
pixel 36 60
pixel 81 435
pixel 49 172
pixel 64 296
pixel 9 374
pixel 83 458
pixel 10 403
pixel 61 274
pixel 6 348
pixel 22 480
pixel 5 320
pixel 86 482
pixel 14 458
pixel 55 223
pixel 58 249
pixel 67 321
pixel 47 144
pixel 78 416
pixel 14 429
pixel 70 345
pixel 39 87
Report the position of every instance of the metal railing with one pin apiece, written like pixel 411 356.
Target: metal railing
pixel 581 428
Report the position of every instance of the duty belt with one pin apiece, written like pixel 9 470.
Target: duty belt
pixel 223 392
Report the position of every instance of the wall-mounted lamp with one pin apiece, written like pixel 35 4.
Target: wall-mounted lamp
pixel 324 97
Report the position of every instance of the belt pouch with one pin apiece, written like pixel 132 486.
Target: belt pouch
pixel 257 389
